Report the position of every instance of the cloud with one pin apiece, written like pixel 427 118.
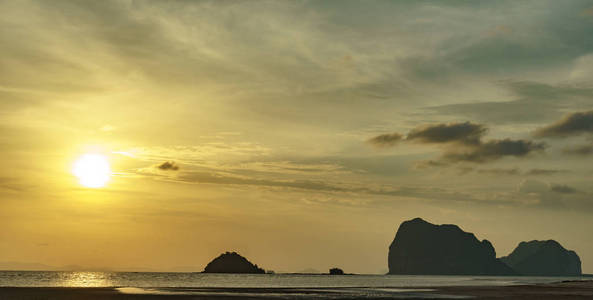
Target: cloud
pixel 554 196
pixel 533 102
pixel 579 150
pixel 541 193
pixel 469 135
pixel 563 189
pixel 465 133
pixel 320 185
pixel 516 171
pixel 544 171
pixel 385 140
pixel 533 186
pixel 496 149
pixel 429 164
pixel 429 193
pixel 572 124
pixel 168 166
pixel 363 72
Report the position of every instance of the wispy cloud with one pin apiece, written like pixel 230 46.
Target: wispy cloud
pixel 582 150
pixel 385 140
pixel 532 102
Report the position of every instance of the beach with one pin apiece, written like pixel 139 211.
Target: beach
pixel 560 290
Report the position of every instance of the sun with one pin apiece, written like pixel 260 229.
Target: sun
pixel 92 170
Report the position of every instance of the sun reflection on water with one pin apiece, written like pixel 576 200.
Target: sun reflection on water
pixel 84 279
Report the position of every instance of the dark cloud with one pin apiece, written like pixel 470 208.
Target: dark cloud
pixel 168 166
pixel 579 150
pixel 563 189
pixel 496 149
pixel 571 124
pixel 463 142
pixel 430 163
pixel 544 172
pixel 516 171
pixel 466 133
pixel 385 140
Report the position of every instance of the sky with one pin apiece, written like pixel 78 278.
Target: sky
pixel 297 133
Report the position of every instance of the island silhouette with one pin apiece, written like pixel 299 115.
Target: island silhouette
pixel 232 262
pixel 543 258
pixel 336 271
pixel 423 248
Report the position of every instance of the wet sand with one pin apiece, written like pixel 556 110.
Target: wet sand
pixel 562 290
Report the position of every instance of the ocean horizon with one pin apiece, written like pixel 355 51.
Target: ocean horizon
pixel 280 280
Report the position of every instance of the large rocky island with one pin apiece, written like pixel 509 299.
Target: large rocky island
pixel 543 258
pixel 232 262
pixel 422 248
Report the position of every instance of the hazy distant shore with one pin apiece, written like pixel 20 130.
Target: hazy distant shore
pixel 561 290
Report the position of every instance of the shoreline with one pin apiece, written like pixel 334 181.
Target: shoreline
pixel 558 290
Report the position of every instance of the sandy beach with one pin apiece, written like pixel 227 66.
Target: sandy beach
pixel 562 290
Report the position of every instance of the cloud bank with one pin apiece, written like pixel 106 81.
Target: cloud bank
pixel 463 142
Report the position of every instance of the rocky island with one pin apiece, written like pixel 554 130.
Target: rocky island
pixel 336 271
pixel 232 262
pixel 543 258
pixel 422 248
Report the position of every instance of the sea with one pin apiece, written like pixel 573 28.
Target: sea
pixel 294 285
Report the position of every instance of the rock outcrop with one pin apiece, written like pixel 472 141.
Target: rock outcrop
pixel 543 258
pixel 422 248
pixel 232 262
pixel 336 271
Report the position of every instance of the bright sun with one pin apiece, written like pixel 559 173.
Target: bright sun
pixel 92 170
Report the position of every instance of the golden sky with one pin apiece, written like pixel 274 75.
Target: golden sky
pixel 300 134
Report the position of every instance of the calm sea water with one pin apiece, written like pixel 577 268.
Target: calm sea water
pixel 199 280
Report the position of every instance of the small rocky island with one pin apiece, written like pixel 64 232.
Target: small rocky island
pixel 543 258
pixel 232 262
pixel 336 271
pixel 422 248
